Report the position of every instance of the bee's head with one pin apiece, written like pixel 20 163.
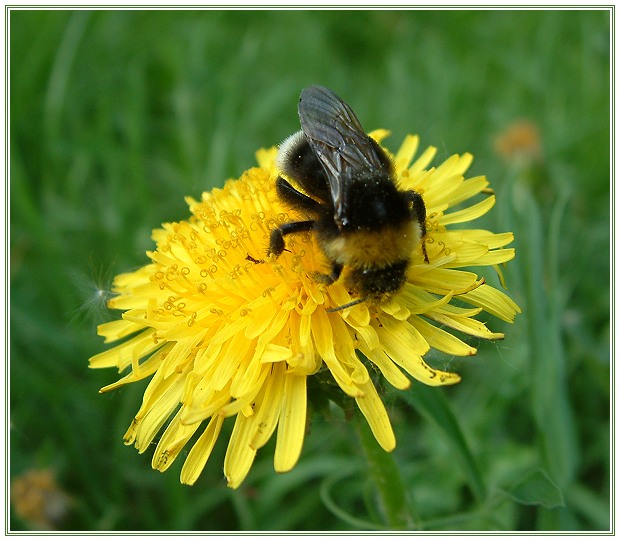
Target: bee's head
pixel 374 281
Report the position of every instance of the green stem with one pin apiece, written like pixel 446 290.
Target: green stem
pixel 391 493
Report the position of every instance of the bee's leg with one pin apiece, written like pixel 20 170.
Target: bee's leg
pixel 336 271
pixel 329 279
pixel 297 200
pixel 419 211
pixel 276 241
pixel 424 250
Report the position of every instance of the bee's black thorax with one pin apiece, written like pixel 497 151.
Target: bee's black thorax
pixel 372 202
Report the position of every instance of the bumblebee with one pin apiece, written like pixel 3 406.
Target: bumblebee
pixel 343 183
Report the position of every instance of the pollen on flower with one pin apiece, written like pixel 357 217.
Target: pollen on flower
pixel 224 331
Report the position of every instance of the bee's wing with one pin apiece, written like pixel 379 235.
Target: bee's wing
pixel 338 140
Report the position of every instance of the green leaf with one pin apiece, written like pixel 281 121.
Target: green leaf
pixel 327 497
pixel 537 489
pixel 432 404
pixel 549 381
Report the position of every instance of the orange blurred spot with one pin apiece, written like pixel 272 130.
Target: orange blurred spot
pixel 38 500
pixel 520 140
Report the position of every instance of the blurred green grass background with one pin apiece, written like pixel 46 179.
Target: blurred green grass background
pixel 117 115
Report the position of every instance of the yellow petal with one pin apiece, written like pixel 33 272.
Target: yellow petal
pixel 419 301
pixel 145 369
pixel 248 380
pixel 274 353
pixel 323 340
pixel 401 335
pixel 268 411
pixel 464 190
pixel 115 330
pixel 239 455
pixel 379 134
pixel 399 346
pixel 446 281
pixel 493 301
pixel 214 405
pixel 387 367
pixel 465 324
pixel 406 152
pixel 492 240
pixel 260 320
pixel 235 352
pixel 162 401
pixel 373 409
pixel 416 367
pixel 469 213
pixel 442 340
pixel 124 354
pixel 422 162
pixel 292 425
pixel 495 257
pixel 172 441
pixel 198 456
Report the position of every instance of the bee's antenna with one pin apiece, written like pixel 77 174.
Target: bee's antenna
pixel 348 305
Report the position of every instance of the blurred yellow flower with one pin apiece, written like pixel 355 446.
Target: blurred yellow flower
pixel 223 331
pixel 38 500
pixel 520 140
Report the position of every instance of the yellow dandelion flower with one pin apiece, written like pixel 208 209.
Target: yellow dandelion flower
pixel 223 331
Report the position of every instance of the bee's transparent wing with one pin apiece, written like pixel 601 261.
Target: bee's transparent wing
pixel 338 141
